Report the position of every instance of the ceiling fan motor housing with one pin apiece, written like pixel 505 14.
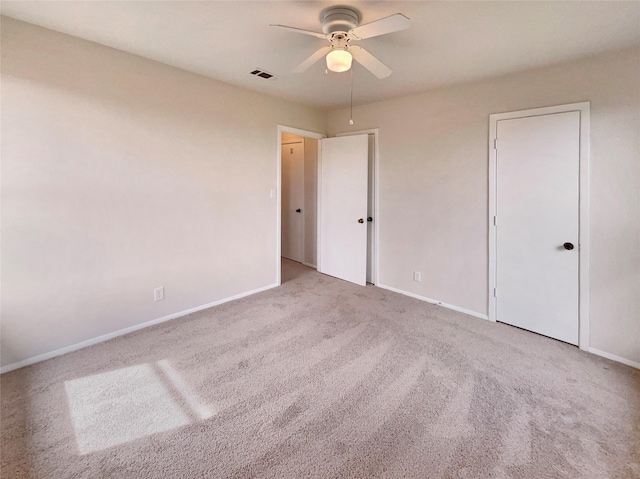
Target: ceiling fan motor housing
pixel 339 20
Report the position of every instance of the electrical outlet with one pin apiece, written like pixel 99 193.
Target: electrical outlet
pixel 158 294
pixel 417 276
pixel 272 193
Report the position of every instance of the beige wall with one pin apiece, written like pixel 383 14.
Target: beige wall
pixel 119 175
pixel 434 186
pixel 290 138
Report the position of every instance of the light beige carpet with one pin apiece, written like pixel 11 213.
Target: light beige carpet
pixel 323 379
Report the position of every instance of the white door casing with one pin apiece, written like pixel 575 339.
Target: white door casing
pixel 342 201
pixel 292 201
pixel 538 203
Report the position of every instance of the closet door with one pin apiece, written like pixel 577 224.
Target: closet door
pixel 537 224
pixel 293 201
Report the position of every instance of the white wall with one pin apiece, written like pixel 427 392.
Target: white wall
pixel 434 186
pixel 120 174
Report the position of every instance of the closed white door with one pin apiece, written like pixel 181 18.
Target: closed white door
pixel 537 201
pixel 342 246
pixel 292 201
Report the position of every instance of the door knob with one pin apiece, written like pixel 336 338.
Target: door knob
pixel 568 246
pixel 361 220
pixel 298 210
pixel 369 219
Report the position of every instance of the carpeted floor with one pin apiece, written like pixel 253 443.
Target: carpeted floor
pixel 323 379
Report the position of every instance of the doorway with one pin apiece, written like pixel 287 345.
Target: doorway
pixel 538 243
pixel 298 152
pixel 291 222
pixel 296 212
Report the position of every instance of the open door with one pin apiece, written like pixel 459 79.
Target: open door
pixel 343 173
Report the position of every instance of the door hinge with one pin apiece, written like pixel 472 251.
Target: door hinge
pixel 494 293
pixel 494 221
pixel 495 143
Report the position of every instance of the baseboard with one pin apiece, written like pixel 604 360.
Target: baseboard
pixel 433 301
pixel 310 265
pixel 153 322
pixel 121 332
pixel 595 351
pixel 613 357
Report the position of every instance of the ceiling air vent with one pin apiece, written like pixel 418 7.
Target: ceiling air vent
pixel 263 74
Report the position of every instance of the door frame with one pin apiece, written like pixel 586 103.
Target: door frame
pixel 376 203
pixel 278 191
pixel 583 210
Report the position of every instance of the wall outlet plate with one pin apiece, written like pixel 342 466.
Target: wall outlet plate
pixel 158 294
pixel 417 276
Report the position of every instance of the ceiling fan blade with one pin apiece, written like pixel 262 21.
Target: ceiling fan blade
pixel 312 59
pixel 299 30
pixel 370 62
pixel 391 24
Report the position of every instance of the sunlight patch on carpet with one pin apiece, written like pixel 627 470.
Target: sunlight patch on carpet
pixel 120 406
pixel 181 387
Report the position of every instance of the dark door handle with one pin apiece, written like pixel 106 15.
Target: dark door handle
pixel 298 210
pixel 568 246
pixel 361 220
pixel 369 219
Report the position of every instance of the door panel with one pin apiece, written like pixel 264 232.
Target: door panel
pixel 343 202
pixel 537 180
pixel 292 200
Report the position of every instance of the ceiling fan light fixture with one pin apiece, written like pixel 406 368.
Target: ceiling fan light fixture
pixel 339 60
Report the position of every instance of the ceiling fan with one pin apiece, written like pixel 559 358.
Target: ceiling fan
pixel 341 27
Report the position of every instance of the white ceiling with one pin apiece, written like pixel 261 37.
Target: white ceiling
pixel 448 42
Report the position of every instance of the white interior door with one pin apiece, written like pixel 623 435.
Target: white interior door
pixel 537 201
pixel 343 174
pixel 293 201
